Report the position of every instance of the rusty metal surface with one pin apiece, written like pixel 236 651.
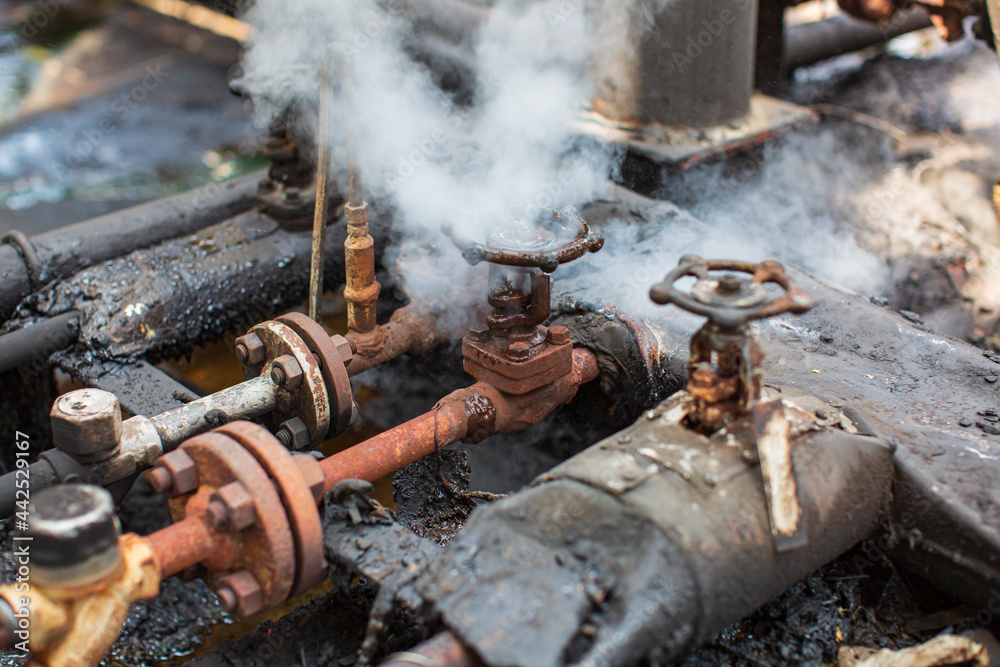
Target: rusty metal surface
pixel 491 361
pixel 571 239
pixel 441 650
pixel 724 373
pixel 408 331
pixel 913 386
pixel 385 453
pixel 75 626
pixel 296 496
pixel 309 400
pixel 638 548
pixel 266 549
pixel 362 289
pixel 338 384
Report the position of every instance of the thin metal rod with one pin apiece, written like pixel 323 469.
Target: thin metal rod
pixel 323 160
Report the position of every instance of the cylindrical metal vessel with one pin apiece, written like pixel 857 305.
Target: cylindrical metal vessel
pixel 649 543
pixel 677 62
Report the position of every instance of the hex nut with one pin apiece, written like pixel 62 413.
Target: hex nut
pixel 250 349
pixel 286 372
pixel 519 351
pixel 182 470
pixel 294 434
pixel 346 348
pixel 312 472
pixel 230 508
pixel 239 593
pixel 87 424
pixel 557 335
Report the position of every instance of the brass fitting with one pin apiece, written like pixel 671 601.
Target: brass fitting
pixel 362 289
pixel 71 626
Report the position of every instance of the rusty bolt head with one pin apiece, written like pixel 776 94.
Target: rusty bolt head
pixel 230 508
pixel 312 472
pixel 240 594
pixel 557 335
pixel 286 372
pixel 346 348
pixel 293 434
pixel 180 477
pixel 519 351
pixel 250 349
pixel 87 423
pixel 479 334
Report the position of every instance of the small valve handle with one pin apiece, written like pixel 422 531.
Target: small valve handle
pixel 729 302
pixel 547 258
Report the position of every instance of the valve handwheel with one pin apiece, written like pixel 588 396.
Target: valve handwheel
pixel 730 301
pixel 543 246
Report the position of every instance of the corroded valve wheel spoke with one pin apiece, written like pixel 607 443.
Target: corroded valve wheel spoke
pixel 727 301
pixel 547 259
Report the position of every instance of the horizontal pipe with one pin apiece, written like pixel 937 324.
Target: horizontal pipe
pixel 809 43
pixel 181 545
pixel 32 346
pixel 247 400
pixel 64 251
pixel 385 453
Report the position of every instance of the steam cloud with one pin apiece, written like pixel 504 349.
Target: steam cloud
pixel 436 160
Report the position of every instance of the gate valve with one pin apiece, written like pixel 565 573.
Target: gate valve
pixel 514 352
pixel 724 377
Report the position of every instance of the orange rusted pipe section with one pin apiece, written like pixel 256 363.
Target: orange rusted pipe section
pixel 479 411
pixel 408 332
pixel 182 545
pixel 362 289
pixel 385 453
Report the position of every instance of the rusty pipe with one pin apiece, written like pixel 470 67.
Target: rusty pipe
pixel 406 332
pixel 441 650
pixel 385 453
pixel 480 410
pixel 182 545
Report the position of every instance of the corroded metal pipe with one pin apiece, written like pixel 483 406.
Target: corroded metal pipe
pixel 385 453
pixel 182 545
pixel 407 332
pixel 246 400
pixel 442 650
pixel 477 411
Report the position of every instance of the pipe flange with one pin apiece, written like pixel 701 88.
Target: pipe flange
pixel 332 365
pixel 296 496
pixel 266 548
pixel 28 253
pixel 308 400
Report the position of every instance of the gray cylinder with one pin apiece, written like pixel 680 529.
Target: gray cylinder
pixel 677 62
